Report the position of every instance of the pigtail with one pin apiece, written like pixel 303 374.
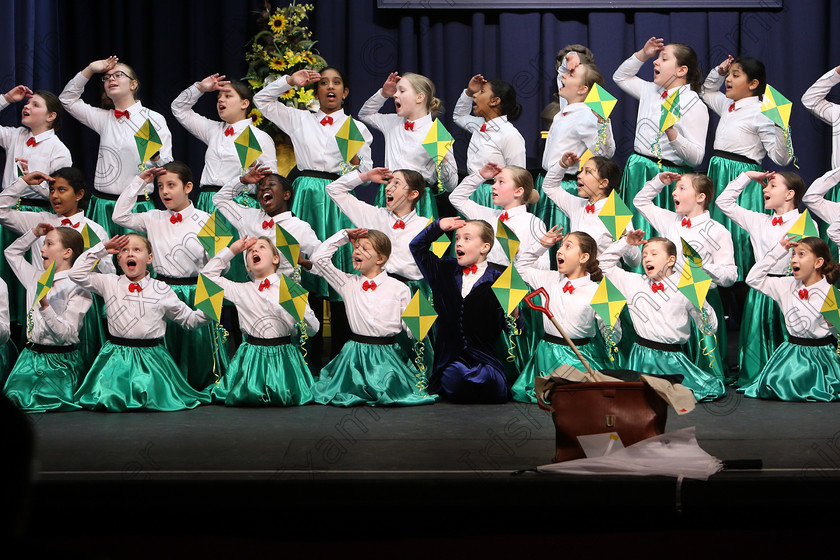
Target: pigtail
pixel 593 267
pixel 435 106
pixel 831 271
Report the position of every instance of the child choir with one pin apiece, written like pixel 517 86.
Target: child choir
pixel 131 337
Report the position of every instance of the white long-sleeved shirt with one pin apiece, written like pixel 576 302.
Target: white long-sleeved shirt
pixel 743 129
pixel 709 239
pixel 260 313
pixel 221 161
pixel 59 324
pixel 376 312
pixel 527 227
pixel 364 215
pixel 4 312
pixel 138 315
pixel 315 146
pixel 803 317
pixel 815 101
pixel 177 251
pixel 581 220
pixel 763 234
pixel 21 222
pixel 118 158
pixel 500 142
pixel 814 198
pixel 574 129
pixel 256 223
pixel 404 148
pixel 690 145
pixel 47 155
pixel 664 316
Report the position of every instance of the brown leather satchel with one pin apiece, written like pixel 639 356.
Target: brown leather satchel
pixel 631 408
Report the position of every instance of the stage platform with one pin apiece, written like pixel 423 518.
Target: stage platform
pixel 442 472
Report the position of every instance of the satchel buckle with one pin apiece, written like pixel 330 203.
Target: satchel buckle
pixel 609 420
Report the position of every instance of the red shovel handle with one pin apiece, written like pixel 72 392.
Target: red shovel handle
pixel 529 299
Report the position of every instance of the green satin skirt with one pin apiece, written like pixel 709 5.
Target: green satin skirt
pixel 101 211
pixel 710 352
pixel 92 333
pixel 200 354
pixel 265 376
pixel 762 331
pixel 370 374
pixel 8 356
pixel 236 271
pixel 529 337
pixel 546 210
pixel 42 382
pixel 426 206
pixel 705 387
pixel 126 378
pixel 484 195
pixel 312 205
pixel 723 171
pixel 799 373
pixel 638 171
pixel 548 357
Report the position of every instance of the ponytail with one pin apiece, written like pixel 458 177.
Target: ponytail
pixel 590 246
pixel 686 56
pixel 830 269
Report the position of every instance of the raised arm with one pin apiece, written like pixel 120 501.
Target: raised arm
pixel 659 218
pixel 815 101
pixel 358 211
pixel 322 261
pixel 727 202
pixel 123 214
pixel 182 109
pixel 758 278
pixel 826 210
pixel 460 198
pixel 711 94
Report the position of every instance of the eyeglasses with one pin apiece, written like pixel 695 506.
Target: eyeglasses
pixel 116 75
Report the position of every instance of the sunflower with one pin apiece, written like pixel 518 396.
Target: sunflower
pixel 288 95
pixel 277 63
pixel 277 24
pixel 256 117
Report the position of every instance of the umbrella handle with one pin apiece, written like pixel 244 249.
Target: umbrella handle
pixel 541 308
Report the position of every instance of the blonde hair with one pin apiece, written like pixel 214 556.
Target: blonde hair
pixel 425 86
pixel 145 240
pixel 274 251
pixel 485 231
pixel 523 178
pixel 380 243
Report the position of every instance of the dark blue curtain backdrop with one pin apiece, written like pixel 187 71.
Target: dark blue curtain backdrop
pixel 173 43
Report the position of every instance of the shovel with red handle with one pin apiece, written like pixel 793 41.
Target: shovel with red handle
pixel 529 299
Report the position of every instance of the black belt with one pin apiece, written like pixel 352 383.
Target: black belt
pixel 37 202
pixel 254 341
pixel 317 174
pixel 380 340
pixel 560 340
pixel 827 341
pixel 402 279
pixel 733 157
pixel 114 197
pixel 667 162
pixel 47 349
pixel 777 275
pixel 658 345
pixel 210 188
pixel 133 342
pixel 173 281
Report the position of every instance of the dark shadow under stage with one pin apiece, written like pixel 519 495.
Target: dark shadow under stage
pixel 403 472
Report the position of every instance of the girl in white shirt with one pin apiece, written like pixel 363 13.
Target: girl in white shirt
pixel 682 146
pixel 405 131
pixel 48 371
pixel 494 138
pixel 371 368
pixel 743 138
pixel 133 370
pixel 268 368
pixel 806 366
pixel 118 159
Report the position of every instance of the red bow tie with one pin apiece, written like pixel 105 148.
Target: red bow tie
pixel 31 143
pixel 134 287
pixel 657 287
pixel 470 269
pixel 777 221
pixel 803 293
pixel 568 288
pixel 483 127
pixel 368 285
pixel 268 223
pixel 175 218
pixel 67 222
pixel 564 113
pixel 590 208
pixel 686 222
pixel 409 125
pixel 503 217
pixel 229 131
pixel 732 107
pixel 665 94
pixel 326 120
pixel 265 284
pixel 120 114
pixel 399 224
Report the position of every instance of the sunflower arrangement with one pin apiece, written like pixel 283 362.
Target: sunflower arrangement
pixel 283 45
